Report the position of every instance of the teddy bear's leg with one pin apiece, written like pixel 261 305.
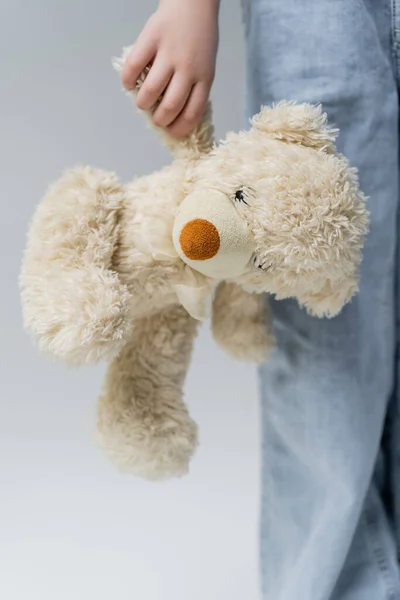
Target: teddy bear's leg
pixel 73 302
pixel 240 323
pixel 143 423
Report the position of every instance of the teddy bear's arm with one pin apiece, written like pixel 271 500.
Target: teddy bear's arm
pixel 240 323
pixel 73 303
pixel 143 424
pixel 198 142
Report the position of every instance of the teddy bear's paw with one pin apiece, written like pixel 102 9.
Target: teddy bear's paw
pixel 240 323
pixel 73 303
pixel 154 448
pixel 80 316
pixel 248 341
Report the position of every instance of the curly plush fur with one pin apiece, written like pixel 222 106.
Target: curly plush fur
pixel 74 304
pixel 102 280
pixel 143 423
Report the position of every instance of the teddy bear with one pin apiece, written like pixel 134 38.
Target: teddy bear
pixel 125 273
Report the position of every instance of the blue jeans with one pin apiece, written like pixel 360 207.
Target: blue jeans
pixel 331 434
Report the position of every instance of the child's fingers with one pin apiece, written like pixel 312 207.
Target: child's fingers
pixel 173 101
pixel 192 112
pixel 140 56
pixel 156 81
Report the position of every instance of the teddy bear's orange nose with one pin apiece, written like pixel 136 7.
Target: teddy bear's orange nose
pixel 199 240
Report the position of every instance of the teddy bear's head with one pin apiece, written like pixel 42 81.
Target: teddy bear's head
pixel 277 209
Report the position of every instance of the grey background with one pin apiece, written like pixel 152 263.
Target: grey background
pixel 70 525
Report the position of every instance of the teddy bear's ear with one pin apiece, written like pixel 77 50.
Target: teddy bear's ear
pixel 303 124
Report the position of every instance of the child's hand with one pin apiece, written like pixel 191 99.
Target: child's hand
pixel 180 41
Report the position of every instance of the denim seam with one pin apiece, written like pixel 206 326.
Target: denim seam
pixel 371 522
pixel 395 30
pixel 395 39
pixel 264 488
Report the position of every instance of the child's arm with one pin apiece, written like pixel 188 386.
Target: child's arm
pixel 180 41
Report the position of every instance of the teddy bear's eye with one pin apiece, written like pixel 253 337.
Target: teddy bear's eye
pixel 240 197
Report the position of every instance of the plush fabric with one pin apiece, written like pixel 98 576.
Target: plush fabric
pixel 124 273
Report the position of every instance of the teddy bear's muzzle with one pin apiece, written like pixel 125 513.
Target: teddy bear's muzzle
pixel 210 235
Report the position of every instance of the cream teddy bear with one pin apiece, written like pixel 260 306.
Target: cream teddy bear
pixel 124 273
